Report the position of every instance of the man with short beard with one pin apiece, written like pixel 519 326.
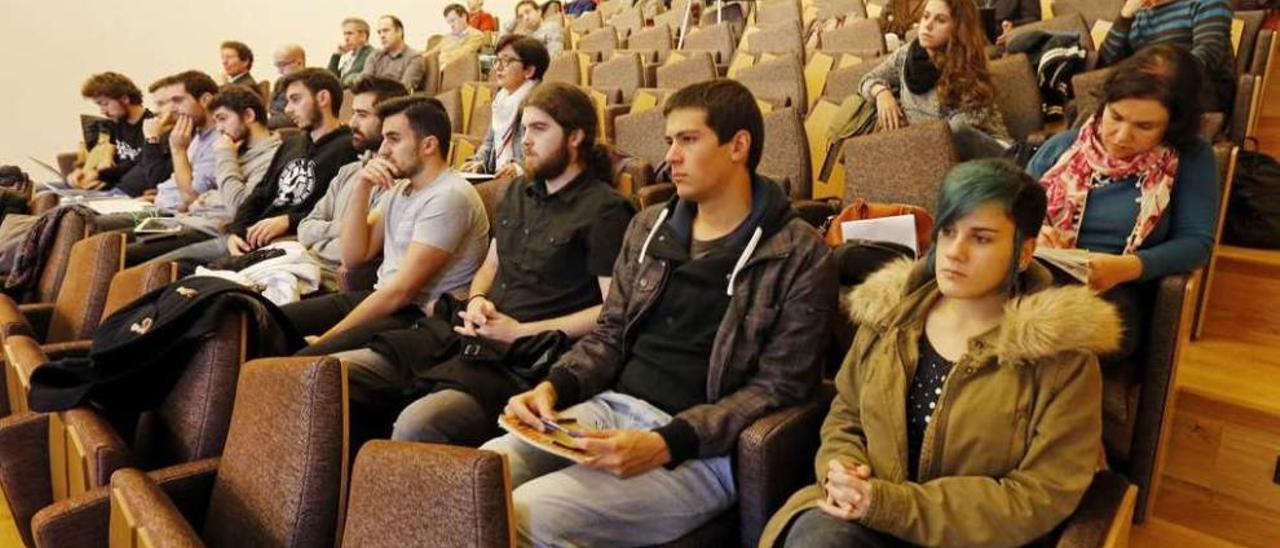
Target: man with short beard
pixel 431 231
pixel 298 175
pixel 548 270
pixel 319 231
pixel 184 100
pixel 396 59
pixel 121 102
pixel 242 153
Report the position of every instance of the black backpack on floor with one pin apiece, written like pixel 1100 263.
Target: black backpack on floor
pixel 1253 212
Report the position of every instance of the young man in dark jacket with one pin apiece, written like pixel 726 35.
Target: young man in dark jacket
pixel 716 315
pixel 120 101
pixel 298 176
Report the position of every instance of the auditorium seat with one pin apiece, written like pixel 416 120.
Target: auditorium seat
pixel 624 71
pixel 715 38
pixel 1092 10
pixel 587 22
pixel 565 68
pixel 878 169
pixel 465 68
pixel 124 287
pixel 843 82
pixel 279 482
pixel 780 38
pixel 856 35
pixel 778 81
pixel 428 495
pixel 76 308
pixel 83 448
pixel 786 153
pixel 656 38
pixel 600 42
pixel 697 67
pixel 640 134
pixel 1017 95
pixel 779 10
pixel 826 9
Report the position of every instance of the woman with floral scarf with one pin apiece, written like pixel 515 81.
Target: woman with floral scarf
pixel 1135 185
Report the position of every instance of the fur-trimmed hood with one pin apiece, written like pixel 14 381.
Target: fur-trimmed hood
pixel 1044 321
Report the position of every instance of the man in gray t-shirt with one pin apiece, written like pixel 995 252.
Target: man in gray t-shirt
pixel 431 230
pixel 447 214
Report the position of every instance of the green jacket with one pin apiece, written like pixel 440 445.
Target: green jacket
pixel 1016 437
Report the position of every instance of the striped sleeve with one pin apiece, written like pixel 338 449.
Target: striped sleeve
pixel 1115 46
pixel 1211 38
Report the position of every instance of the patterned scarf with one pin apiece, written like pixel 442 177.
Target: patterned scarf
pixel 1085 166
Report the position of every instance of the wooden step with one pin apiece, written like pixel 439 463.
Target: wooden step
pixel 1259 262
pixel 1244 373
pixel 1160 533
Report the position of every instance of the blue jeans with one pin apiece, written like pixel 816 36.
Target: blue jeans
pixel 559 503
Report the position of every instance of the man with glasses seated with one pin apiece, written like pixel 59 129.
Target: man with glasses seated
pixel 290 58
pixel 520 63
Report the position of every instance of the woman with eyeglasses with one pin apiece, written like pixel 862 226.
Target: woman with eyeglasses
pixel 519 66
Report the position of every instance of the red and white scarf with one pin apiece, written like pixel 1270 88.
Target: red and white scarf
pixel 1069 181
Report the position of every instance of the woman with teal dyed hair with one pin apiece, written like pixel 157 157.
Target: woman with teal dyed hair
pixel 974 367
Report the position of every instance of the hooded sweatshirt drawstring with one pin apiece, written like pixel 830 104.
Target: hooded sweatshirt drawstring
pixel 756 235
pixel 662 217
pixel 742 259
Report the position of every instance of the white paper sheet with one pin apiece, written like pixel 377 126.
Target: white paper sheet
pixel 899 229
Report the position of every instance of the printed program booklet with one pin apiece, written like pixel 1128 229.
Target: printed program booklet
pixel 557 439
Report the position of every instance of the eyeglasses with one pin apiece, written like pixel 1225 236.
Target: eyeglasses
pixel 503 60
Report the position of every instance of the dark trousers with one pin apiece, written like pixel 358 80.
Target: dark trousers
pixel 815 529
pixel 1132 301
pixel 317 315
pixel 145 248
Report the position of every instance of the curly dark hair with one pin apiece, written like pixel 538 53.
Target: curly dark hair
pixel 113 85
pixel 238 99
pixel 965 80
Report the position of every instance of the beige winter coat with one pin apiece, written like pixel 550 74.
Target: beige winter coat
pixel 1016 436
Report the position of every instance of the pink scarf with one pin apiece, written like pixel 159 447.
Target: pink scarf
pixel 1069 181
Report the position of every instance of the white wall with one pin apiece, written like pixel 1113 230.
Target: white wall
pixel 50 46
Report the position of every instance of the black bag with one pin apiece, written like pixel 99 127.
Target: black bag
pixel 15 191
pixel 857 259
pixel 1253 212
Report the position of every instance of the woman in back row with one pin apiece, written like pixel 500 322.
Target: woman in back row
pixel 942 75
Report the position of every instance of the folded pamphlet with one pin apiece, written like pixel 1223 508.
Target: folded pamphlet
pixel 1073 262
pixel 557 439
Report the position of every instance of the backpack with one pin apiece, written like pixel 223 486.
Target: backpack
pixel 1253 210
pixel 862 209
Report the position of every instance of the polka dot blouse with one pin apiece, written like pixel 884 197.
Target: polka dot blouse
pixel 922 398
